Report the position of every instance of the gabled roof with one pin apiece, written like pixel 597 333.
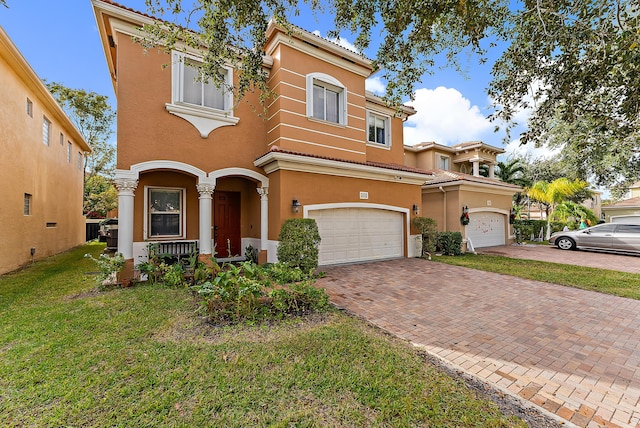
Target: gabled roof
pixel 10 53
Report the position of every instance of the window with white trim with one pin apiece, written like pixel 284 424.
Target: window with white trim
pixel 69 151
pixel 189 87
pixel 165 212
pixel 379 129
pixel 80 161
pixel 326 99
pixel 444 162
pixel 46 131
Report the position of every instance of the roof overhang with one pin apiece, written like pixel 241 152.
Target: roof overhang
pixel 274 161
pixel 10 53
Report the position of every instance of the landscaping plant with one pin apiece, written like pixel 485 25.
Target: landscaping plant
pixel 299 239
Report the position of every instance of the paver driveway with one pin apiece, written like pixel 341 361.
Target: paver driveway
pixel 571 352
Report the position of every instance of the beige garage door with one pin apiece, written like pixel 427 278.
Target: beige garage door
pixel 486 229
pixel 358 234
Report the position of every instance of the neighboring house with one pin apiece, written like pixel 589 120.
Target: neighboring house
pixel 626 210
pixel 594 203
pixel 41 167
pixel 195 169
pixel 457 185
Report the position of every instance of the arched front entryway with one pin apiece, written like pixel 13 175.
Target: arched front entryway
pixel 173 203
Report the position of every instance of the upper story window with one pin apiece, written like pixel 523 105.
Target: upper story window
pixel 69 151
pixel 444 162
pixel 80 163
pixel 46 131
pixel 27 204
pixel 379 129
pixel 29 107
pixel 189 88
pixel 61 139
pixel 199 102
pixel 326 99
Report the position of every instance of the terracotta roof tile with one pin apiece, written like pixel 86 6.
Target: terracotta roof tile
pixel 392 166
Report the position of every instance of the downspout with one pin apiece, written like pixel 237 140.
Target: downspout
pixel 444 207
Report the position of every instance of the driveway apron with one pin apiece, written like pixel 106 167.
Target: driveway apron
pixel 573 353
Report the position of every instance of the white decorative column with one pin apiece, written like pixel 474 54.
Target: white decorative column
pixel 476 168
pixel 126 188
pixel 491 171
pixel 205 202
pixel 264 216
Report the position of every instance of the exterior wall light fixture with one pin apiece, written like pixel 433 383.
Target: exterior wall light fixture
pixel 416 209
pixel 295 206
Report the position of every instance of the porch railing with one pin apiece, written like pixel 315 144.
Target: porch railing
pixel 173 251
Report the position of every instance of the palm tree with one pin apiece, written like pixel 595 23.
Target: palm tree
pixel 513 171
pixel 554 193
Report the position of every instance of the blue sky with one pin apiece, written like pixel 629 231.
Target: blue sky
pixel 60 41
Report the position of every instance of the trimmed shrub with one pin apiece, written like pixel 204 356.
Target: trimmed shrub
pixel 299 239
pixel 428 228
pixel 450 243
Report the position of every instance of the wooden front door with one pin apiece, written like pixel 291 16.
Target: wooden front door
pixel 226 223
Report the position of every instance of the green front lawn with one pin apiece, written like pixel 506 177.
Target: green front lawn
pixel 142 356
pixel 605 281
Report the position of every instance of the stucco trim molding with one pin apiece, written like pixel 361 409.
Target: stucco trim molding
pixel 203 121
pixel 136 169
pixel 243 172
pixel 274 161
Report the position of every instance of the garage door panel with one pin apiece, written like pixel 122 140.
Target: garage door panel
pixel 486 229
pixel 359 234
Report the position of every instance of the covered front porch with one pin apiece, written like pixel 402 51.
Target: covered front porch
pixel 219 213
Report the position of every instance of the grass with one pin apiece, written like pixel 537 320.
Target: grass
pixel 73 356
pixel 621 284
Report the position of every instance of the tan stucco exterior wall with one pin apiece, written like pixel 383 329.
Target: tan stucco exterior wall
pixel 446 207
pixel 147 131
pixel 28 166
pixel 324 189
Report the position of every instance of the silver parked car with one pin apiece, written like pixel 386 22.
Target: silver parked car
pixel 615 237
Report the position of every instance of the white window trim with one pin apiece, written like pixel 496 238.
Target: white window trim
pixel 439 158
pixel 46 136
pixel 332 83
pixel 204 119
pixel 387 130
pixel 147 215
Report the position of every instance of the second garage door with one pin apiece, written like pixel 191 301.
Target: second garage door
pixel 486 229
pixel 358 234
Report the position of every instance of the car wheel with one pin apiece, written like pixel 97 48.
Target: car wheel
pixel 565 243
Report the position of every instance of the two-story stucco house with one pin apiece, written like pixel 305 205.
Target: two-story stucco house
pixel 457 186
pixel 41 167
pixel 192 167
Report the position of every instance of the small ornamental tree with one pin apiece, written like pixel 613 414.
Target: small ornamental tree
pixel 299 239
pixel 428 228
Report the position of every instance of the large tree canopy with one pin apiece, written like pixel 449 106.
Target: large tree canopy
pixel 93 116
pixel 574 64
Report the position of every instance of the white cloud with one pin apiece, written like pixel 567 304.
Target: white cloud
pixel 375 85
pixel 445 116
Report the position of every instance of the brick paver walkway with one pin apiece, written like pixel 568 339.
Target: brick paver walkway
pixel 573 353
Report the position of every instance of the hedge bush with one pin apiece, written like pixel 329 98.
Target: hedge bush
pixel 299 239
pixel 450 243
